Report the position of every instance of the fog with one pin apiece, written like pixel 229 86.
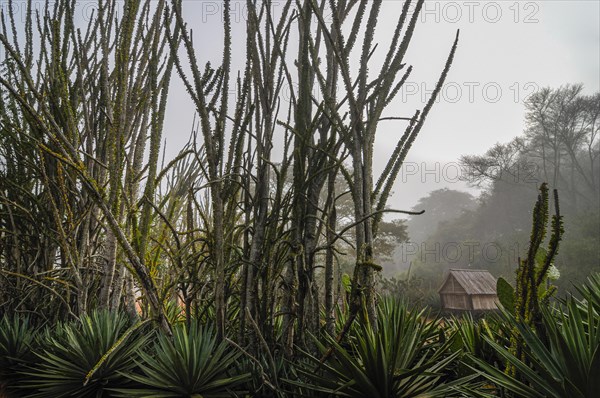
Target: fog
pixel 507 51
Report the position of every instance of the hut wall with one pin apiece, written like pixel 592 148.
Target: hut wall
pixel 484 302
pixel 455 301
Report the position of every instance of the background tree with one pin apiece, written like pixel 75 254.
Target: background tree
pixel 441 205
pixel 561 144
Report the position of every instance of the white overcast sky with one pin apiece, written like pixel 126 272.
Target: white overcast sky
pixel 507 50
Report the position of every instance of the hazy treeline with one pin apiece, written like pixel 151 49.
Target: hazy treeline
pixel 561 145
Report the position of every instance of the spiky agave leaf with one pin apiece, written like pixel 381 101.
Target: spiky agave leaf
pixel 564 363
pixel 404 357
pixel 590 292
pixel 85 358
pixel 190 363
pixel 17 339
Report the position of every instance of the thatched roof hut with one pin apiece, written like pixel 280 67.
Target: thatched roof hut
pixel 471 290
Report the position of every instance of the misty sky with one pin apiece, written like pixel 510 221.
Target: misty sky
pixel 507 50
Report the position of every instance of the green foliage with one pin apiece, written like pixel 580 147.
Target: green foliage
pixel 468 335
pixel 405 356
pixel 506 294
pixel 268 375
pixel 565 364
pixel 389 235
pixel 191 363
pixel 409 289
pixel 579 255
pixel 532 272
pixel 76 92
pixel 17 338
pixel 590 292
pixel 174 312
pixel 346 282
pixel 85 358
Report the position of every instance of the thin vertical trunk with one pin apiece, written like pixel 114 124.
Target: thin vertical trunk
pixel 110 261
pixel 130 306
pixel 329 258
pixel 247 273
pixel 219 259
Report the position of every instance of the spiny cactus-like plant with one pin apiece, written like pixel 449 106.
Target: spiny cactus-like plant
pixel 565 362
pixel 532 271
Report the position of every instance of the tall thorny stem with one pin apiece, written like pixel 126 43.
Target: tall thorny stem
pixel 85 105
pixel 533 269
pixel 229 229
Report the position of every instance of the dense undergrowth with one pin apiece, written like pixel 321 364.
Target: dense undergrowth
pixel 409 353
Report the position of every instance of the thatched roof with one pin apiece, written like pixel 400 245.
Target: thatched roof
pixel 474 281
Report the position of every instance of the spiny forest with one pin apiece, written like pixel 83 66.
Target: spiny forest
pixel 216 273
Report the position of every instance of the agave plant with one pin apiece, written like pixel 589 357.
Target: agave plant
pixel 590 292
pixel 174 312
pixel 85 358
pixel 16 342
pixel 269 372
pixel 565 363
pixel 404 357
pixel 191 363
pixel 468 337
